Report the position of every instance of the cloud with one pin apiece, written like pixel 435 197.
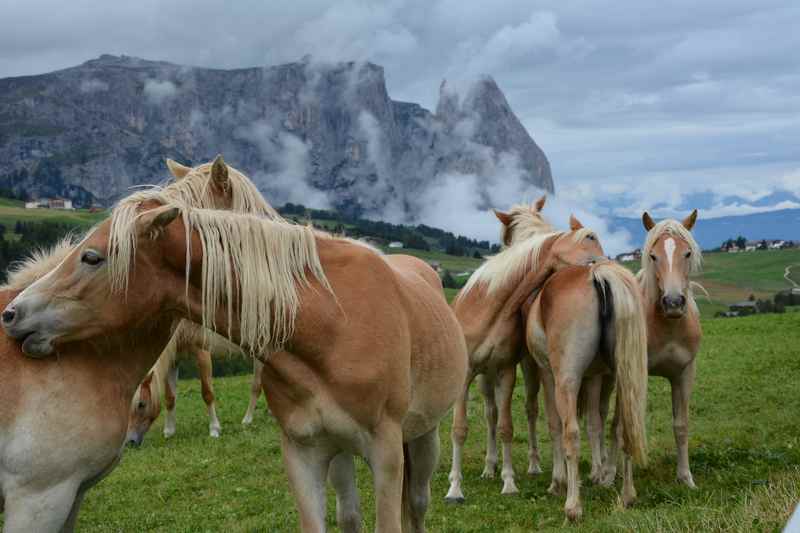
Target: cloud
pixel 157 91
pixel 638 107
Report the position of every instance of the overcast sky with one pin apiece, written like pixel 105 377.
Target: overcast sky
pixel 638 105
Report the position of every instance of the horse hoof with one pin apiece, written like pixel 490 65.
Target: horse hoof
pixel 169 434
pixel 509 488
pixel 534 470
pixel 688 481
pixel 214 433
pixel 247 421
pixel 556 489
pixel 607 479
pixel 457 500
pixel 628 501
pixel 488 473
pixel 574 514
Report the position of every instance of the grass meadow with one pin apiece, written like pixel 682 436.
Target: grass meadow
pixel 744 448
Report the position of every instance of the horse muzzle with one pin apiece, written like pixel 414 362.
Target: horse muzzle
pixel 674 306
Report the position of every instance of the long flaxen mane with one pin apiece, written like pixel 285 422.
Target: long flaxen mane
pixel 253 262
pixel 647 274
pixel 193 190
pixel 512 262
pixel 526 222
pixel 24 273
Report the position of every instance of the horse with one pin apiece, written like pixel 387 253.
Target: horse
pixel 489 311
pixel 64 419
pixel 362 353
pixel 146 404
pixel 588 321
pixel 517 224
pixel 670 256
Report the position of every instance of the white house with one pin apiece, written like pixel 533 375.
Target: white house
pixel 395 244
pixel 50 203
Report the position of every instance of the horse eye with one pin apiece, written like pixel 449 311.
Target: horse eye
pixel 91 258
pixel 653 257
pixel 141 405
pixel 591 237
pixel 688 254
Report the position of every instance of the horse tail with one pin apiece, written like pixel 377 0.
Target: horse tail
pixel 405 509
pixel 621 303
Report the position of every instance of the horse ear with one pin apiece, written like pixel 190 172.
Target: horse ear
pixel 504 218
pixel 648 221
pixel 156 219
pixel 176 169
pixel 689 221
pixel 219 171
pixel 574 223
pixel 539 204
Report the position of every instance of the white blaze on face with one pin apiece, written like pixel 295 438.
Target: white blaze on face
pixel 669 249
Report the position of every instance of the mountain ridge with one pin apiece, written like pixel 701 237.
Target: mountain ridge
pixel 306 132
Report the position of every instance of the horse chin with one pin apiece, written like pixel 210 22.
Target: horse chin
pixel 37 345
pixel 674 314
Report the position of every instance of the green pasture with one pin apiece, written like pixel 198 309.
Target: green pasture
pixel 744 448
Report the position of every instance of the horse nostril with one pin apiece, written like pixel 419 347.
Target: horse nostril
pixel 681 301
pixel 8 315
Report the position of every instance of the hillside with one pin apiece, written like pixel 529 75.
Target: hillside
pixel 301 130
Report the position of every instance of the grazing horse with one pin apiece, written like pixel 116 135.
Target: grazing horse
pixel 588 321
pixel 489 310
pixel 362 353
pixel 670 256
pixel 146 405
pixel 50 457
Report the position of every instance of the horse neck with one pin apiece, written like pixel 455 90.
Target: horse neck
pixel 478 310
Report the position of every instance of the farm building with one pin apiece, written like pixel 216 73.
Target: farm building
pixel 50 203
pixel 635 255
pixel 395 244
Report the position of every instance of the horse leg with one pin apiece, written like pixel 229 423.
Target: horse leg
pixel 628 488
pixel 386 460
pixel 559 476
pixel 530 375
pixel 255 392
pixel 422 457
pixel 681 393
pixel 458 435
pixel 307 468
pixel 594 424
pixel 72 519
pixel 488 383
pixel 46 511
pixel 207 385
pixel 342 476
pixel 508 378
pixel 170 397
pixel 610 465
pixel 567 388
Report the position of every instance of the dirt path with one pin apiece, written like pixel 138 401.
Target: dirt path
pixel 787 273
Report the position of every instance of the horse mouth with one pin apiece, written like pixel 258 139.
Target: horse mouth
pixel 35 345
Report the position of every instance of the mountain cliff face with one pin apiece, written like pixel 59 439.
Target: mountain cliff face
pixel 307 133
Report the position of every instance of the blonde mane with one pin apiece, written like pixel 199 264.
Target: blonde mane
pixel 26 272
pixel 512 262
pixel 526 222
pixel 250 262
pixel 647 275
pixel 193 190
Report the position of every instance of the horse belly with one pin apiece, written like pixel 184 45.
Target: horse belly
pixel 320 419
